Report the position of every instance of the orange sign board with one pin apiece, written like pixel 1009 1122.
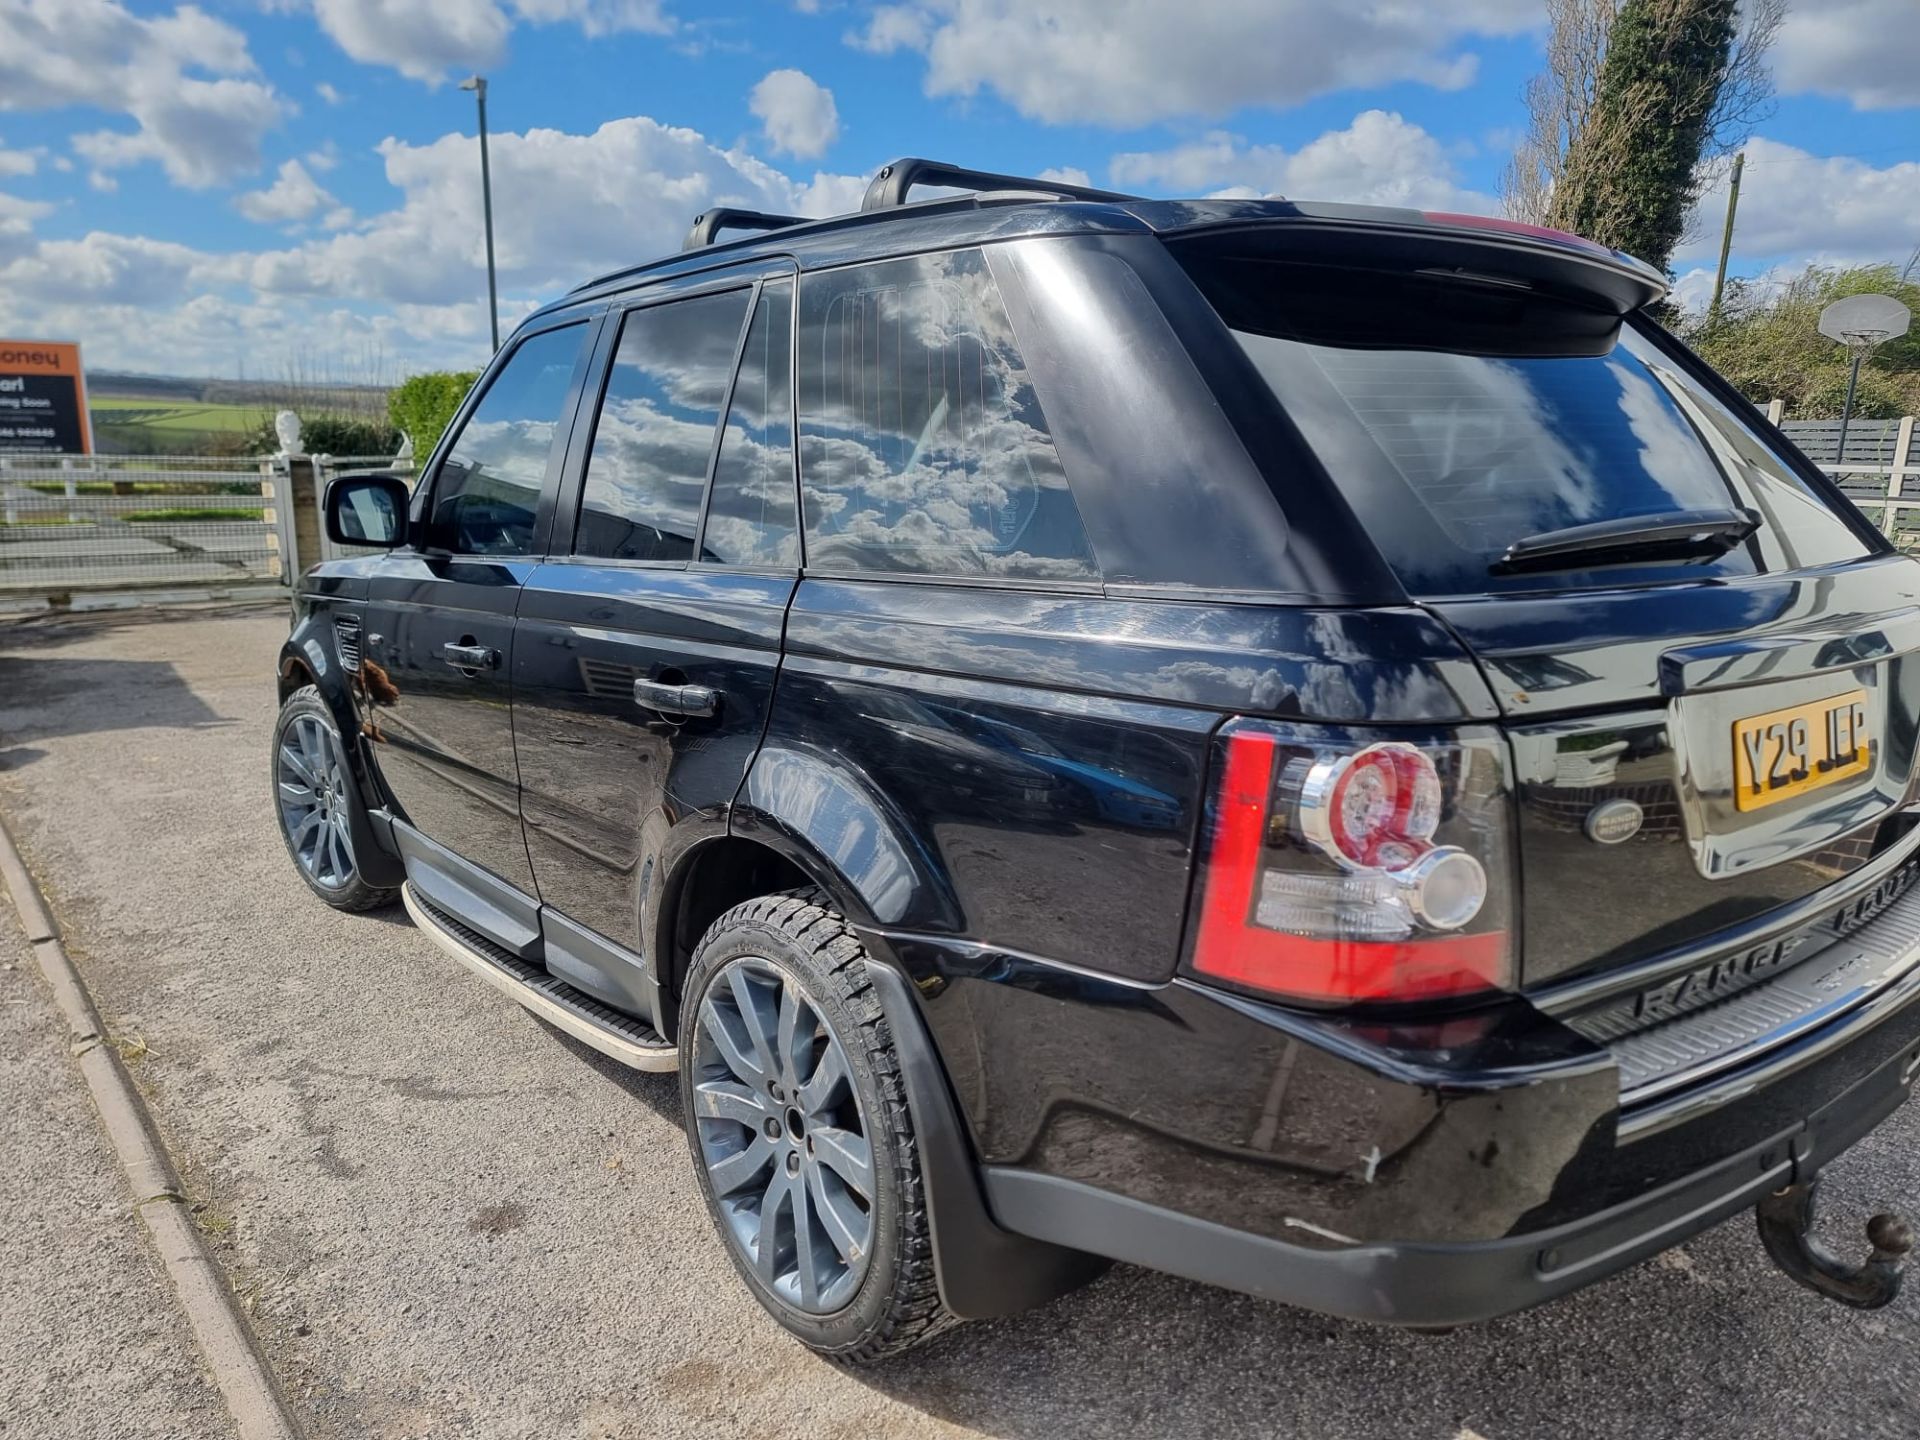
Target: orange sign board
pixel 43 399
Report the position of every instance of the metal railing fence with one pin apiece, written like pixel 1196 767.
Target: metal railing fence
pixel 71 523
pixel 96 521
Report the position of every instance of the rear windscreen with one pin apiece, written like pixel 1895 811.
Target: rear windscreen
pixel 1459 415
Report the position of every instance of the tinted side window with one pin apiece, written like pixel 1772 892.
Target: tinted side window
pixel 923 447
pixel 750 516
pixel 488 487
pixel 647 471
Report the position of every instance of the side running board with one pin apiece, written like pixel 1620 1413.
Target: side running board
pixel 630 1041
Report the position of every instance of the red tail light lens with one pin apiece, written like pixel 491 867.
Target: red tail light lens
pixel 1339 872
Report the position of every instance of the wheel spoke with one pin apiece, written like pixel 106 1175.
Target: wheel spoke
pixel 724 1100
pixel 292 758
pixel 312 747
pixel 792 1007
pixel 844 1221
pixel 805 1262
pixel 339 848
pixel 746 995
pixel 766 1252
pixel 849 1156
pixel 738 1169
pixel 309 823
pixel 292 792
pixel 732 1050
pixel 827 1077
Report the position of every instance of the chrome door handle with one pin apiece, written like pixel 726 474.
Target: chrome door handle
pixel 656 695
pixel 470 657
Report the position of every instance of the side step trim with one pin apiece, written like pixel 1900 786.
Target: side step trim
pixel 555 1001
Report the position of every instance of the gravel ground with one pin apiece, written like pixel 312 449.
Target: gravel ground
pixel 451 1220
pixel 91 1342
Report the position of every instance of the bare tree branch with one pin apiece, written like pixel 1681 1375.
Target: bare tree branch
pixel 1560 99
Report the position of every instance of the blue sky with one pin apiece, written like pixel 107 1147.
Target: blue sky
pixel 252 186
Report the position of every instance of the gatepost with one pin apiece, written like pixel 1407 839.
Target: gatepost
pixel 292 487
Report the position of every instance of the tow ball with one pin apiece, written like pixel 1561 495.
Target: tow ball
pixel 1786 1225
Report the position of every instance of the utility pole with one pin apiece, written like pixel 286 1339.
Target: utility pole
pixel 1726 235
pixel 477 83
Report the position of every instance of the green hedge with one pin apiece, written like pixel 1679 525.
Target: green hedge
pixel 423 406
pixel 326 435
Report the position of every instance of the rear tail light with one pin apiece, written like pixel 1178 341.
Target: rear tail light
pixel 1517 227
pixel 1336 870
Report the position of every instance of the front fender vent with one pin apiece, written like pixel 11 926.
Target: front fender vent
pixel 346 635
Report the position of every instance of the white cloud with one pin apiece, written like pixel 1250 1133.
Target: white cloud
pixel 95 53
pixel 1380 159
pixel 112 270
pixel 600 17
pixel 893 27
pixel 1831 208
pixel 16 222
pixel 796 112
pixel 422 39
pixel 295 196
pixel 21 162
pixel 329 93
pixel 1863 51
pixel 427 39
pixel 1131 62
pixel 1066 175
pixel 412 278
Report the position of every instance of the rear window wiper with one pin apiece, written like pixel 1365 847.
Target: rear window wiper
pixel 1670 535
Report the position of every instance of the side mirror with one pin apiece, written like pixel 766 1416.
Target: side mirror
pixel 367 510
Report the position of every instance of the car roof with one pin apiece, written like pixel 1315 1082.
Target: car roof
pixel 975 219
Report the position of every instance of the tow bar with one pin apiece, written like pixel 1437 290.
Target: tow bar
pixel 1786 1223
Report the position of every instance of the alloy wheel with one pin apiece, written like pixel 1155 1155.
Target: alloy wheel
pixel 783 1137
pixel 313 794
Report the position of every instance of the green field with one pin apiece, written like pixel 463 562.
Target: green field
pixel 131 425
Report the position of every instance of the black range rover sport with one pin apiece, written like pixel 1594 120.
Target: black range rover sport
pixel 1311 747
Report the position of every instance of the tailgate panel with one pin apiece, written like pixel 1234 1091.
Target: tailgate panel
pixel 1639 695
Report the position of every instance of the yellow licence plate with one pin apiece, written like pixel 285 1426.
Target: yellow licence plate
pixel 1788 752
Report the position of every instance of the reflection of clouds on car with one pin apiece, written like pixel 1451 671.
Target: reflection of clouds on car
pixel 925 448
pixel 750 514
pixel 648 466
pixel 485 493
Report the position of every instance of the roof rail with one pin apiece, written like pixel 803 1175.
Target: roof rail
pixel 890 186
pixel 707 226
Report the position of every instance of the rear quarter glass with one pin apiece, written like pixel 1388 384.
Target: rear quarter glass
pixel 1457 418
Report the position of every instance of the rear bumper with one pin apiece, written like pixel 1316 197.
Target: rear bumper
pixel 1441 1284
pixel 1421 1173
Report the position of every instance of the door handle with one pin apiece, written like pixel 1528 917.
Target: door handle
pixel 470 657
pixel 657 695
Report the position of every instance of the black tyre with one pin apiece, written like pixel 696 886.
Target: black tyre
pixel 315 803
pixel 798 1121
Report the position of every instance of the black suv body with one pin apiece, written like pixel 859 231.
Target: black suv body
pixel 1334 756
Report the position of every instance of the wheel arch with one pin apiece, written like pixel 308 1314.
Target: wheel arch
pixel 305 660
pixel 983 1270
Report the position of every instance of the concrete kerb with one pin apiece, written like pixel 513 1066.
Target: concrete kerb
pixel 226 1342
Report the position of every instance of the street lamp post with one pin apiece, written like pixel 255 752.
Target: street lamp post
pixel 478 84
